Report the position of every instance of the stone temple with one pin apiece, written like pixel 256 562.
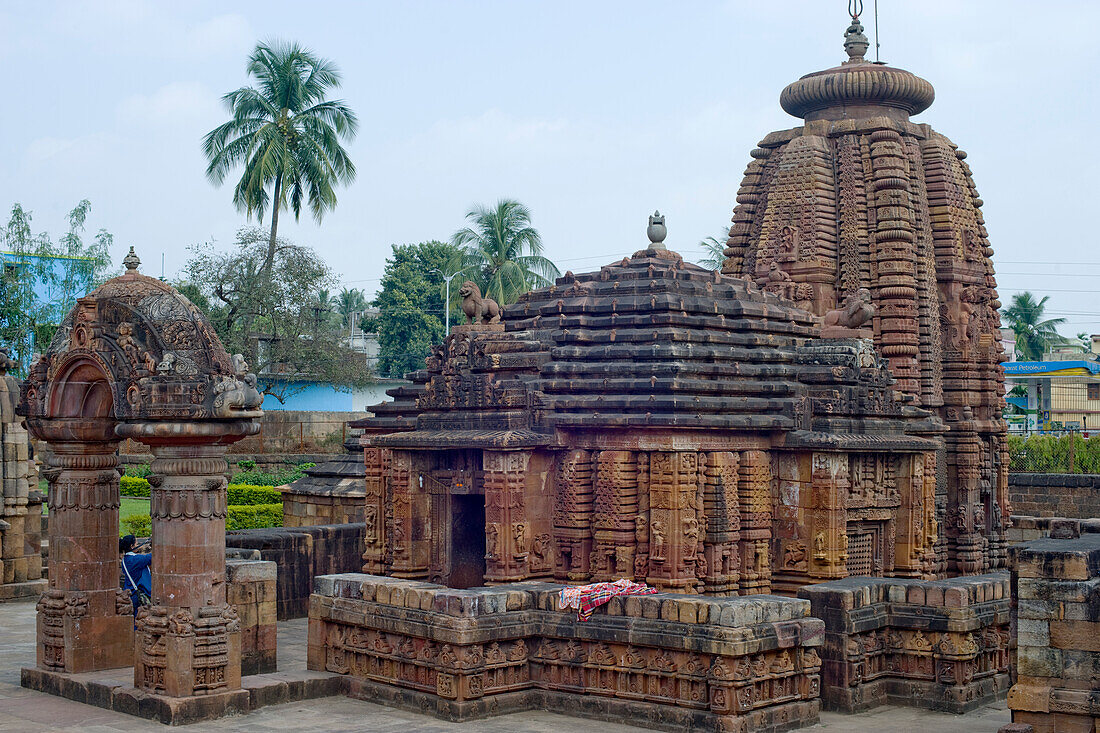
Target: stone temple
pixel 658 421
pixel 861 197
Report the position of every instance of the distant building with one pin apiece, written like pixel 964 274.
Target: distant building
pixel 1062 391
pixel 67 279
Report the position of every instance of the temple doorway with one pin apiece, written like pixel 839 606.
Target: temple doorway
pixel 467 551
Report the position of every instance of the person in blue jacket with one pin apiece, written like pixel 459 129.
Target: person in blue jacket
pixel 137 576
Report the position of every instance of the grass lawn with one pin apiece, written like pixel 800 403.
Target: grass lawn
pixel 133 505
pixel 128 505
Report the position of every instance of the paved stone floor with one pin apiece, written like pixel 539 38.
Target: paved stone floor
pixel 34 712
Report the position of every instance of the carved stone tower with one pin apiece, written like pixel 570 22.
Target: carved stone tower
pixel 861 197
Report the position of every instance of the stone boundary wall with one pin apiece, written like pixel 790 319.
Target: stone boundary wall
pixel 1025 529
pixel 250 586
pixel 1057 614
pixel 1074 495
pixel 301 554
pixel 338 505
pixel 668 661
pixel 942 645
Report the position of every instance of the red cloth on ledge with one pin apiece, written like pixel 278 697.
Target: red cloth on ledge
pixel 587 598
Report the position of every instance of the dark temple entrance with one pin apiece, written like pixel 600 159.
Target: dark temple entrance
pixel 467 541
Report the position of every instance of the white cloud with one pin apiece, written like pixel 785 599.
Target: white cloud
pixel 173 104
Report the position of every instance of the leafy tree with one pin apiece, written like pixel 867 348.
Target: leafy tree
pixel 714 251
pixel 502 252
pixel 1035 336
pixel 349 303
pixel 275 321
pixel 41 280
pixel 410 305
pixel 286 135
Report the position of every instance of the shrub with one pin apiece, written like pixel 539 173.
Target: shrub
pixel 141 470
pixel 1050 454
pixel 246 465
pixel 250 495
pixel 139 525
pixel 255 516
pixel 281 476
pixel 133 486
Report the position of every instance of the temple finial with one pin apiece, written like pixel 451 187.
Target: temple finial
pixel 131 261
pixel 656 231
pixel 855 43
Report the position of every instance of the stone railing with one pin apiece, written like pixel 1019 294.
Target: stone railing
pixel 1058 633
pixel 942 644
pixel 667 660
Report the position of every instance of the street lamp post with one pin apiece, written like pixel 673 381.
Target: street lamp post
pixel 447 299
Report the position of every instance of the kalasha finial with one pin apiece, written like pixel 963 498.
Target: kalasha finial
pixel 656 231
pixel 855 43
pixel 131 261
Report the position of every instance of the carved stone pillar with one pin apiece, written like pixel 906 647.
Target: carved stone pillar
pixel 85 620
pixel 754 493
pixel 829 516
pixel 507 529
pixel 374 534
pixel 407 529
pixel 616 507
pixel 677 523
pixel 189 640
pixel 573 516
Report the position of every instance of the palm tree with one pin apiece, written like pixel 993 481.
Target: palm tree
pixel 349 303
pixel 286 135
pixel 1034 336
pixel 502 252
pixel 714 249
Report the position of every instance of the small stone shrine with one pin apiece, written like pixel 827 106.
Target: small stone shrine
pixel 861 199
pixel 657 421
pixel 21 520
pixel 135 359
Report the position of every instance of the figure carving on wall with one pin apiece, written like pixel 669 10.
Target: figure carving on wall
pixel 788 244
pixel 478 309
pixel 657 530
pixel 794 555
pixel 519 536
pixel 370 519
pixel 820 553
pixel 492 536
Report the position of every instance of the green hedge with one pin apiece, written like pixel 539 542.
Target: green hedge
pixel 1051 454
pixel 255 516
pixel 139 525
pixel 248 494
pixel 248 516
pixel 239 494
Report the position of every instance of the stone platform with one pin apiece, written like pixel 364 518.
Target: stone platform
pixel 113 689
pixel 28 711
pixel 665 661
pixel 941 644
pixel 28 589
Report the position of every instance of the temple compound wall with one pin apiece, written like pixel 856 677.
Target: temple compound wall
pixel 941 644
pixel 1056 594
pixel 1072 495
pixel 667 661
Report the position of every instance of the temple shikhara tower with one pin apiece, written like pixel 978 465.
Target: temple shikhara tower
pixel 861 197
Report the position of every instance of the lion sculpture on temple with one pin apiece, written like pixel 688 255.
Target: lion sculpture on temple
pixel 477 308
pixel 848 320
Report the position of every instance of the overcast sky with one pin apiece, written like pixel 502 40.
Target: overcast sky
pixel 592 113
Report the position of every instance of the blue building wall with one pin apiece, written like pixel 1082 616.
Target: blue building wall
pixel 323 397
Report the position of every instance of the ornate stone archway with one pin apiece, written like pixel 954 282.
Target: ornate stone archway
pixel 135 359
